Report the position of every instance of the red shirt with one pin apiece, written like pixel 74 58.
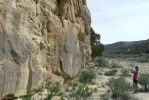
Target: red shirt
pixel 135 75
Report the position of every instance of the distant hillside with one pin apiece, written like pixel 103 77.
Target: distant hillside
pixel 135 47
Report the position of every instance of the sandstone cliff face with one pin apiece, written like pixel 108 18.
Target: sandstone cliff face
pixel 41 41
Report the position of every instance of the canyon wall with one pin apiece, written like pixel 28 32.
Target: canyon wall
pixel 41 42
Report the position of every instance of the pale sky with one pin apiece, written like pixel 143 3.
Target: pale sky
pixel 120 20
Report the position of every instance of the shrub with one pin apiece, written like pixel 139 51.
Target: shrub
pixel 118 86
pixel 87 76
pixel 143 59
pixel 125 72
pixel 116 65
pixel 144 81
pixel 111 72
pixel 62 98
pixel 83 91
pixel 53 90
pixel 102 62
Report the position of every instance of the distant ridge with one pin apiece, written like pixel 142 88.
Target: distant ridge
pixel 122 47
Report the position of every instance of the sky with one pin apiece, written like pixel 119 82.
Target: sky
pixel 120 20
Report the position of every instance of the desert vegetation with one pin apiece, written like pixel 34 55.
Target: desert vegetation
pixel 119 87
pixel 108 76
pixel 87 75
pixel 96 46
pixel 136 47
pixel 105 78
pixel 123 80
pixel 144 81
pixel 53 90
pixel 125 72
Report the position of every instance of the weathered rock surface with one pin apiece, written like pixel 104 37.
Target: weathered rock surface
pixel 40 95
pixel 41 41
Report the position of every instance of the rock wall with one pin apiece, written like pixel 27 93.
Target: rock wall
pixel 41 41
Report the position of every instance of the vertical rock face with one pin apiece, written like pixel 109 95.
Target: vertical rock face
pixel 41 41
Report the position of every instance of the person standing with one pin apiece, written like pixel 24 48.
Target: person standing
pixel 135 77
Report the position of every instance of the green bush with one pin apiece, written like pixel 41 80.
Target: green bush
pixel 87 75
pixel 111 72
pixel 144 81
pixel 83 91
pixel 118 87
pixel 62 98
pixel 125 72
pixel 53 90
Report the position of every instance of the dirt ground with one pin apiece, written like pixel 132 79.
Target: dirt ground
pixel 101 79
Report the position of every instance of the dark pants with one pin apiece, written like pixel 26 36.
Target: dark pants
pixel 135 83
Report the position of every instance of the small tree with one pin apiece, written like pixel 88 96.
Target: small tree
pixel 144 81
pixel 96 46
